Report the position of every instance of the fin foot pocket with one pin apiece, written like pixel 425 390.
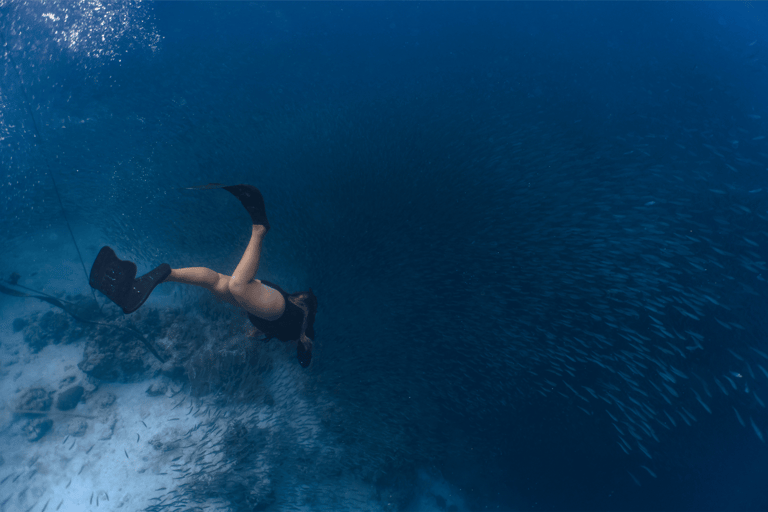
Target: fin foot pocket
pixel 143 286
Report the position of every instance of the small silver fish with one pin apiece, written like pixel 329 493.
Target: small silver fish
pixel 738 417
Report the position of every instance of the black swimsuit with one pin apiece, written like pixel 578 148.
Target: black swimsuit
pixel 288 326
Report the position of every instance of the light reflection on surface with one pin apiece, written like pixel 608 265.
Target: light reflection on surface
pixel 95 29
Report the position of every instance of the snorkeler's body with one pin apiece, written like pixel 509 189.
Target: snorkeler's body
pixel 239 289
pixel 274 312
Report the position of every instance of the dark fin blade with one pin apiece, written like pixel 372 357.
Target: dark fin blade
pixel 116 279
pixel 252 200
pixel 112 276
pixel 209 186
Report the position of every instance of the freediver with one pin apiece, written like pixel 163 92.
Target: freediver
pixel 273 312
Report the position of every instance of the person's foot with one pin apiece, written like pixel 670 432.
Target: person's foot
pixel 253 201
pixel 143 286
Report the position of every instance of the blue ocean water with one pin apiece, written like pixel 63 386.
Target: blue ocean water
pixel 537 233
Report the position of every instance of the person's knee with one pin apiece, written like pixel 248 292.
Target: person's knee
pixel 235 289
pixel 238 289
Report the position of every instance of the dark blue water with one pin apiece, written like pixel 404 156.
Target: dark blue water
pixel 524 222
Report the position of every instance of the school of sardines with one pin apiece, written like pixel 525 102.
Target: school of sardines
pixel 643 271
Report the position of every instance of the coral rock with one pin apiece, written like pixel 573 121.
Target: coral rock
pixel 36 429
pixel 35 399
pixel 69 398
pixel 77 428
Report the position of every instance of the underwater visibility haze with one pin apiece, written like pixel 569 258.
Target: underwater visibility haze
pixel 537 235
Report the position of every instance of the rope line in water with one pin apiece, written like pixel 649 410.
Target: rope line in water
pixel 60 304
pixel 39 142
pixel 44 297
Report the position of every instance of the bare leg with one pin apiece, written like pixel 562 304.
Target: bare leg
pixel 249 263
pixel 253 296
pixel 216 283
pixel 240 289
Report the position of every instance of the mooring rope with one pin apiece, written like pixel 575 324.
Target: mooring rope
pixel 39 141
pixel 44 297
pixel 60 303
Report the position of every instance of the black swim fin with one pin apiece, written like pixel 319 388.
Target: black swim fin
pixel 248 195
pixel 116 279
pixel 253 201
